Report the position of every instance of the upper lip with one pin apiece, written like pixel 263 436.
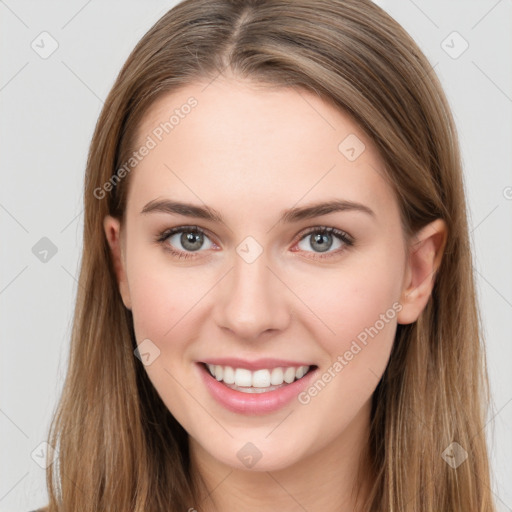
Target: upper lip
pixel 257 364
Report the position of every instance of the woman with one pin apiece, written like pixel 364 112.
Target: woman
pixel 276 306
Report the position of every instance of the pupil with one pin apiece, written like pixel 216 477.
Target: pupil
pixel 318 239
pixel 191 241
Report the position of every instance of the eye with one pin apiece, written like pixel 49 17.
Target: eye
pixel 323 240
pixel 188 239
pixel 184 241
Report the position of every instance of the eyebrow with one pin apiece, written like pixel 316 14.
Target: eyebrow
pixel 291 215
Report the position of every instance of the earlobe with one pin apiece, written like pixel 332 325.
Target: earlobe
pixel 112 228
pixel 425 255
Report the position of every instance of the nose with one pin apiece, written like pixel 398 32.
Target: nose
pixel 252 300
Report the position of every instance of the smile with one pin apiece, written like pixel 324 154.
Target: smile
pixel 258 381
pixel 255 392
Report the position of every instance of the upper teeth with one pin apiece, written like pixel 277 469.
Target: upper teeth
pixel 259 378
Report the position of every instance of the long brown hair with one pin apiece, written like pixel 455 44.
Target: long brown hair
pixel 119 448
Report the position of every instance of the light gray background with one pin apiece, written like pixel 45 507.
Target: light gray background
pixel 48 111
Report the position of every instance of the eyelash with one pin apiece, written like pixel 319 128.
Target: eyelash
pixel 341 235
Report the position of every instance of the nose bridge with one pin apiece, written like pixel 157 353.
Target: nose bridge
pixel 254 300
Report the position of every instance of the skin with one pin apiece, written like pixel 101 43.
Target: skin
pixel 250 152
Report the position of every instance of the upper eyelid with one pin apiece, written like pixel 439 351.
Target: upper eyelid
pixel 335 231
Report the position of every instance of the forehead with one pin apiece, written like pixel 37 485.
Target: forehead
pixel 229 143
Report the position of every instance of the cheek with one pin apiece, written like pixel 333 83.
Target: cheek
pixel 158 294
pixel 163 311
pixel 167 300
pixel 354 296
pixel 358 307
pixel 153 305
pixel 361 307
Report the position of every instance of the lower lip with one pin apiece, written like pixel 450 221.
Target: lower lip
pixel 254 403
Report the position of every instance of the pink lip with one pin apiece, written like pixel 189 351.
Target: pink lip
pixel 254 403
pixel 258 364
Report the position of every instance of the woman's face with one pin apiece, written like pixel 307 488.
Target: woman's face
pixel 263 288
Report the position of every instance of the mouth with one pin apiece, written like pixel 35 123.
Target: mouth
pixel 261 380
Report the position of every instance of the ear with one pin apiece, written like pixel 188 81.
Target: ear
pixel 112 227
pixel 424 257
